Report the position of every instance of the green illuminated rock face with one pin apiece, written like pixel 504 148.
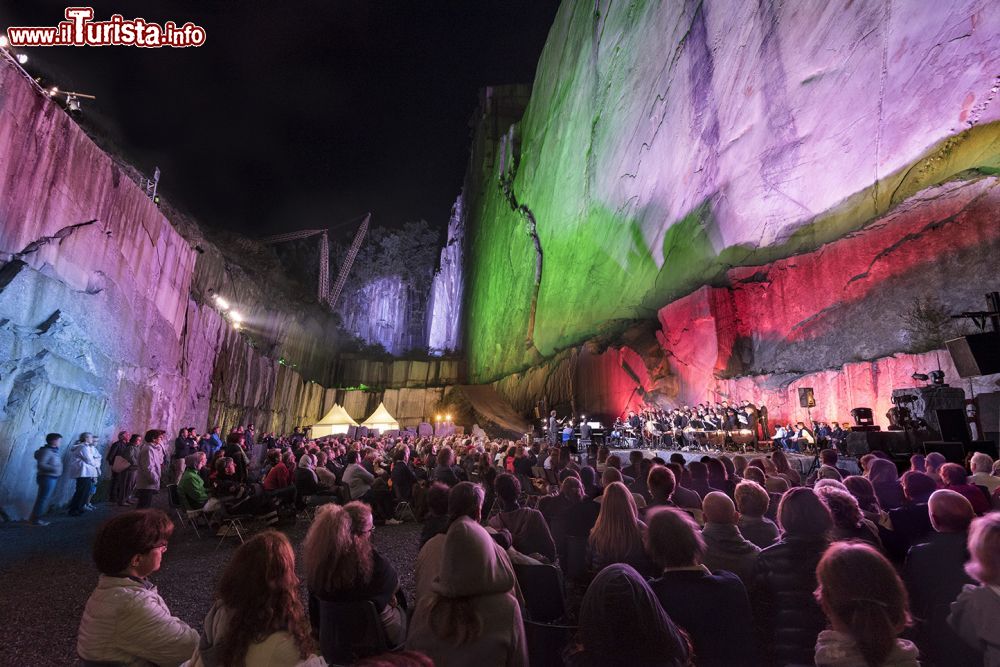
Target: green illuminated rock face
pixel 665 142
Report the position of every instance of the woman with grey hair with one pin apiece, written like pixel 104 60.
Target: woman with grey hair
pixel 84 467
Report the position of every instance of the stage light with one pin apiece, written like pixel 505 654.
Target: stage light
pixel 447 418
pixel 920 377
pixel 235 317
pixel 222 303
pixel 22 58
pixel 237 326
pixel 53 91
pixel 437 418
pixel 4 42
pixel 937 377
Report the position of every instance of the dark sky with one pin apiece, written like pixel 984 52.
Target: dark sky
pixel 300 114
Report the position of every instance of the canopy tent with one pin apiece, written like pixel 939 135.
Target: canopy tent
pixel 381 420
pixel 335 422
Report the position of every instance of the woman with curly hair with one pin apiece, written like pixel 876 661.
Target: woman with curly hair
pixel 342 564
pixel 258 619
pixel 848 522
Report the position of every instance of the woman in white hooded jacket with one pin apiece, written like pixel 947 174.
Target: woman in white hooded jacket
pixel 84 467
pixel 151 457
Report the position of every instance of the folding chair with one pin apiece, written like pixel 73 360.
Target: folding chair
pixel 186 517
pixel 349 631
pixel 544 596
pixel 233 525
pixel 546 642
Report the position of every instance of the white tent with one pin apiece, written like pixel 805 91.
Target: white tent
pixel 381 420
pixel 335 422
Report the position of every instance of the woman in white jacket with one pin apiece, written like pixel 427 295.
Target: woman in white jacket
pixel 125 620
pixel 151 457
pixel 84 467
pixel 258 619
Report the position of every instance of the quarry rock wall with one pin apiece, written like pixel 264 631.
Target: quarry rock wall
pixel 102 321
pixel 774 185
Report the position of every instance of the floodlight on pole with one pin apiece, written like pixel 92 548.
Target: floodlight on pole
pixel 4 42
pixel 22 58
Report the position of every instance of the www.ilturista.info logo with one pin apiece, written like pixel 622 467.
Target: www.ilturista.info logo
pixel 79 29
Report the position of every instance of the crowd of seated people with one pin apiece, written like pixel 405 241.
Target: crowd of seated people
pixel 654 558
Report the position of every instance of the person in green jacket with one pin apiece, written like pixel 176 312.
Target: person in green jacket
pixel 191 486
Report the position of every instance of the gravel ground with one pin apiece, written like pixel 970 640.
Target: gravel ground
pixel 47 576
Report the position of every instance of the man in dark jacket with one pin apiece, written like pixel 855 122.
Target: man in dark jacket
pixel 935 574
pixel 910 524
pixel 49 471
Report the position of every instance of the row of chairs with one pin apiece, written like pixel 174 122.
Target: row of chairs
pixel 230 525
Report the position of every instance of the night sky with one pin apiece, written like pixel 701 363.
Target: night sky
pixel 300 114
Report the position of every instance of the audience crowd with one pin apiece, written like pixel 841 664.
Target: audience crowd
pixel 530 555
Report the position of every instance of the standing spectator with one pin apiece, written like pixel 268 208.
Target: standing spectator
pixel 113 452
pixel 125 620
pixel 935 574
pixel 151 457
pixel 862 596
pixel 953 477
pixel 788 617
pixel 258 621
pixel 182 447
pixel 698 600
pixel 50 467
pixel 126 478
pixel 974 614
pixel 725 548
pixel 84 467
pixel 471 616
pixel 752 501
pixel 342 564
pixel 622 623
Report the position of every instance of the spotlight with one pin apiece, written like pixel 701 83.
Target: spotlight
pixel 920 377
pixel 437 418
pixel 447 418
pixel 22 58
pixel 937 377
pixel 221 303
pixel 73 103
pixel 53 91
pixel 4 42
pixel 235 317
pixel 237 326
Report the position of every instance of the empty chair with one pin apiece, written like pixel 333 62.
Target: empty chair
pixel 349 631
pixel 542 588
pixel 547 642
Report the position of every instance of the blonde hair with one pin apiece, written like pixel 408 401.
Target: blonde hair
pixel 616 531
pixel 984 549
pixel 337 551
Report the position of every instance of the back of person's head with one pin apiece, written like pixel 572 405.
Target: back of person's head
pixel 614 461
pixel 862 489
pixel 661 482
pixel 716 471
pixel 860 591
pixel 264 603
pixel 717 507
pixel 152 434
pixel 588 476
pixel 776 484
pixel 802 514
pixel 751 499
pixel 464 499
pixel 828 472
pixel 673 539
pixel 572 488
pixel 952 474
pixel 194 461
pixel 352 456
pixel 828 457
pixel 508 489
pixel 739 464
pixel 984 549
pixel 445 457
pixel 126 537
pixel 780 461
pixel 396 659
pixel 622 623
pixel 337 551
pixel 437 498
pixel 917 463
pixel 918 486
pixel 610 476
pixel 728 464
pixel 678 458
pixel 842 505
pixel 634 456
pixel 567 472
pixel 950 511
pixel 234 438
pixel 698 470
pixel 755 474
pixel 981 462
pixel 616 530
pixel 933 461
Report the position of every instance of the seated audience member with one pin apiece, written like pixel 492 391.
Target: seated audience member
pixel 555 506
pixel 526 525
pixel 953 478
pixel 632 469
pixel 933 463
pixel 848 522
pixel 622 623
pixel 862 596
pixel 787 615
pixel 864 493
pixel 974 614
pixel 935 574
pixel 725 547
pixel 402 475
pixel 660 483
pixel 982 466
pixel 617 535
pixel 524 461
pixel 258 620
pixel 640 485
pixel 327 478
pixel 752 501
pixel 191 486
pixel 125 621
pixel 239 498
pixel 342 565
pixel 683 496
pixel 699 478
pixel 589 478
pixel 357 478
pixel 917 463
pixel 615 461
pixel 699 601
pixel 718 478
pixel 278 476
pixel 235 450
pixel 911 523
pixel 885 481
pixel 471 615
pixel 784 469
pixel 828 458
pixel 444 472
pixel 436 521
pixel 614 475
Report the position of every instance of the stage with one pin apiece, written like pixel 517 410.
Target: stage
pixel 801 462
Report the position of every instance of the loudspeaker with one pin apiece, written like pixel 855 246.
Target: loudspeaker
pixel 954 452
pixel 953 425
pixel 863 416
pixel 977 354
pixel 806 398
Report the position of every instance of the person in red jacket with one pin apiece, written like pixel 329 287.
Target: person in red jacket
pixel 955 479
